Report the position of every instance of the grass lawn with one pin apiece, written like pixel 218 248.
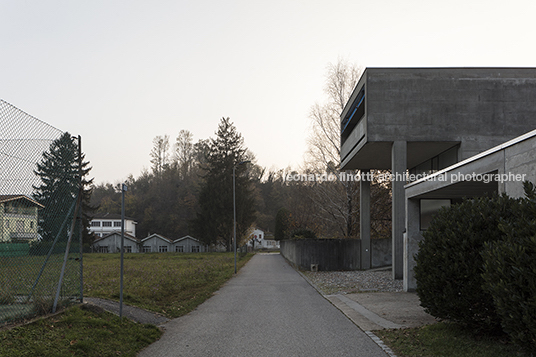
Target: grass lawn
pixel 445 339
pixel 169 283
pixel 172 284
pixel 78 332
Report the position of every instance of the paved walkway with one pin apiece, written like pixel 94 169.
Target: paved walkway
pixel 268 309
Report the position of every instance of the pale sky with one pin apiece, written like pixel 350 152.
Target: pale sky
pixel 119 73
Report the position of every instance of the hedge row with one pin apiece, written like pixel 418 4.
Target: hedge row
pixel 477 266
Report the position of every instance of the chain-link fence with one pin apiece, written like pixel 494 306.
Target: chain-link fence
pixel 40 259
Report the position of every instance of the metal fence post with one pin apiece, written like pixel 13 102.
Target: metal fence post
pixel 123 190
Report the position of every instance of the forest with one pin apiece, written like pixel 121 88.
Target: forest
pixel 189 186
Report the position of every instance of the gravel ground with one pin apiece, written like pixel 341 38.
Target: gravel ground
pixel 349 282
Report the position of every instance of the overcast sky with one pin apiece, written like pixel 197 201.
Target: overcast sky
pixel 119 73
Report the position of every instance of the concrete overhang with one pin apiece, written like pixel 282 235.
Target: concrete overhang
pixel 460 190
pixel 377 155
pixel 446 183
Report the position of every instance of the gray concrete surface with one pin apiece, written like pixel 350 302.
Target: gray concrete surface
pixel 129 312
pixel 382 310
pixel 268 309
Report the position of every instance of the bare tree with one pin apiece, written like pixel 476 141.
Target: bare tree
pixel 337 200
pixel 324 139
pixel 184 154
pixel 160 154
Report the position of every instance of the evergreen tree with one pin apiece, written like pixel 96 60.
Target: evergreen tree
pixel 59 174
pixel 214 221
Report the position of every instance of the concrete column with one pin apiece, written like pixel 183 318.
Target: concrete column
pixel 398 169
pixel 364 219
pixel 411 242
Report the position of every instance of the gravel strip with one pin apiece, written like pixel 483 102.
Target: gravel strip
pixel 349 282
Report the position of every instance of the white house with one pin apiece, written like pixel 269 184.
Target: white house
pixel 111 243
pixel 104 224
pixel 18 218
pixel 156 243
pixel 258 241
pixel 188 244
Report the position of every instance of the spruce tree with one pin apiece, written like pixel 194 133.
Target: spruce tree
pixel 214 221
pixel 58 171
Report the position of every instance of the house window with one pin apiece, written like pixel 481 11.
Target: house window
pixel 95 223
pixel 439 162
pixel 179 249
pixel 146 249
pixel 117 223
pixel 106 224
pixel 195 249
pixel 103 249
pixel 354 115
pixel 128 249
pixel 162 248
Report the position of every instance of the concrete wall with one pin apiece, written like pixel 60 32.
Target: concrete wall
pixel 335 254
pixel 329 254
pixel 381 252
pixel 520 159
pixel 431 104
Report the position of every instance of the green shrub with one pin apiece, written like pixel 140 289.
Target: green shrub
pixel 510 274
pixel 449 264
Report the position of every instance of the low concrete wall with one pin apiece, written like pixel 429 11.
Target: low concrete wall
pixel 329 254
pixel 335 254
pixel 381 252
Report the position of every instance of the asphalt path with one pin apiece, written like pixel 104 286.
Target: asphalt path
pixel 267 309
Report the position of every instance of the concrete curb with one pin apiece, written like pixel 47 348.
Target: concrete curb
pixel 131 312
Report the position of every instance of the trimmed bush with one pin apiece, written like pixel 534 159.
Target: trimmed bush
pixel 510 274
pixel 450 265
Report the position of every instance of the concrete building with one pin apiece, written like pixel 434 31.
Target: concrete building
pixel 103 224
pixel 421 120
pixel 501 169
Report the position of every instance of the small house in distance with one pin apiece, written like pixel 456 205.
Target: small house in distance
pixel 188 244
pixel 111 243
pixel 157 243
pixel 260 240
